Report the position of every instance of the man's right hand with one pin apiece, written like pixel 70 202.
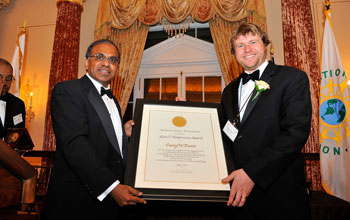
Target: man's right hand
pixel 126 195
pixel 241 187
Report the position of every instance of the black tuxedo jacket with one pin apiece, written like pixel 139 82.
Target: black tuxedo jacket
pixel 88 159
pixel 14 108
pixel 274 129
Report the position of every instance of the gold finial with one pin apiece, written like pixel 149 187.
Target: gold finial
pixel 272 51
pixel 24 25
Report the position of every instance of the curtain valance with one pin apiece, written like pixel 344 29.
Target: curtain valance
pixel 121 14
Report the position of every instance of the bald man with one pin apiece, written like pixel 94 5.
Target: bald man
pixel 12 109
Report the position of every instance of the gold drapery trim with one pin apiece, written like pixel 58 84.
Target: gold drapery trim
pixel 176 11
pixel 150 14
pixel 231 10
pixel 221 30
pixel 128 22
pixel 103 20
pixel 131 43
pixel 125 12
pixel 203 11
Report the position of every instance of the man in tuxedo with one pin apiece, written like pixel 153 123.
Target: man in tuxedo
pixel 266 131
pixel 12 110
pixel 91 143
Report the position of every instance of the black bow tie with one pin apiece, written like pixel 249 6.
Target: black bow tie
pixel 253 76
pixel 108 92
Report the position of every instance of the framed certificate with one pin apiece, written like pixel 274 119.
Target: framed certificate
pixel 177 152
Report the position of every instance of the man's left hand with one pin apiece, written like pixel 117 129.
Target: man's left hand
pixel 241 187
pixel 128 127
pixel 126 195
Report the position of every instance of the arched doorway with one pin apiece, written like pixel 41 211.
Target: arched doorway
pixel 185 66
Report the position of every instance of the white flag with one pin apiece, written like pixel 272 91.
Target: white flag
pixel 334 119
pixel 17 62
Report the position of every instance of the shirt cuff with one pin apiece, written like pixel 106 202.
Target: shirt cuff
pixel 108 190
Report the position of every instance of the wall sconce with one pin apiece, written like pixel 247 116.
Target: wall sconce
pixel 29 112
pixel 28 100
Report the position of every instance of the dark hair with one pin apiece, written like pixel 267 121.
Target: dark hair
pixel 5 62
pixel 245 29
pixel 101 41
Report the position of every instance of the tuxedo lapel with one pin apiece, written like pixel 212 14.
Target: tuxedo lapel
pixel 8 123
pixel 125 140
pixel 102 112
pixel 2 127
pixel 2 130
pixel 267 77
pixel 231 100
pixel 235 99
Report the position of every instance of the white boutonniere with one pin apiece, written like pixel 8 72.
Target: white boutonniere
pixel 260 86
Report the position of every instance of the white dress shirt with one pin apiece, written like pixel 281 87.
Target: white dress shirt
pixel 2 112
pixel 117 125
pixel 245 91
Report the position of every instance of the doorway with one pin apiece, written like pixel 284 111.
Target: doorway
pixel 186 67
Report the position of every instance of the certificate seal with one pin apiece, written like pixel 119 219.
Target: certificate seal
pixel 179 121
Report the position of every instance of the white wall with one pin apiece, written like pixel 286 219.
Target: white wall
pixel 274 28
pixel 41 21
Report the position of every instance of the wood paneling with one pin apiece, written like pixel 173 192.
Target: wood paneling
pixel 10 188
pixel 18 178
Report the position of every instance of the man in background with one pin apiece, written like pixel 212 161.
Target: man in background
pixel 91 143
pixel 267 118
pixel 12 110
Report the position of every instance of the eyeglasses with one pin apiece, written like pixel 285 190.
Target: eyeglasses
pixel 101 57
pixel 7 78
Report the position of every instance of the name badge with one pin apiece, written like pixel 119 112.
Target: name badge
pixel 17 119
pixel 230 130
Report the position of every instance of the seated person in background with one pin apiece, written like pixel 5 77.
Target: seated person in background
pixel 12 110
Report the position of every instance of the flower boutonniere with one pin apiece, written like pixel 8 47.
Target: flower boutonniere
pixel 260 86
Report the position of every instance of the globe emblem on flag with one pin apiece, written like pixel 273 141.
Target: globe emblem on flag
pixel 332 111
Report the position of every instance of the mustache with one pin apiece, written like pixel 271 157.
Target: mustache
pixel 3 89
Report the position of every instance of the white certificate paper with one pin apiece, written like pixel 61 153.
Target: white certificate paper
pixel 180 148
